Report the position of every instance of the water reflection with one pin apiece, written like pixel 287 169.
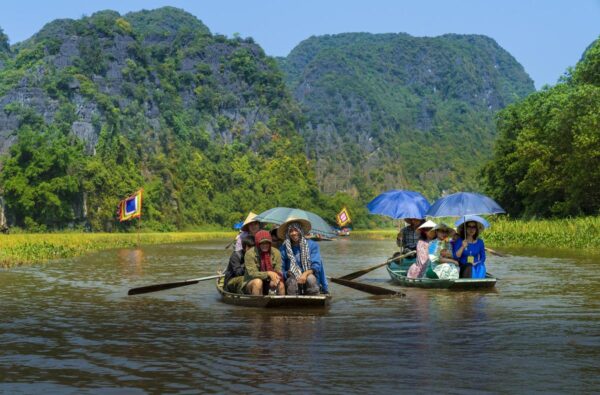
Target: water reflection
pixel 131 261
pixel 69 325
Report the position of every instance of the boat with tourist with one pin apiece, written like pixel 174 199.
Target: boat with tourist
pixel 397 273
pixel 279 301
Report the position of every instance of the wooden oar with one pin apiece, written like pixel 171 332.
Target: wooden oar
pixel 233 241
pixel 159 287
pixel 368 288
pixel 359 273
pixel 496 253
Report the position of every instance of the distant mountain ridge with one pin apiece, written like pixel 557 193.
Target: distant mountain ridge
pixel 392 110
pixel 95 108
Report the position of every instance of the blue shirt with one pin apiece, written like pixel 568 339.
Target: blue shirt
pixel 316 263
pixel 477 251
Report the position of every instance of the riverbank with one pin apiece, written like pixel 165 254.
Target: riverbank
pixel 19 249
pixel 570 233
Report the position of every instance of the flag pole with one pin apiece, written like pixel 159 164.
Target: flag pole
pixel 139 229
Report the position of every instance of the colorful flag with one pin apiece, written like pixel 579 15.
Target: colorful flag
pixel 343 218
pixel 131 207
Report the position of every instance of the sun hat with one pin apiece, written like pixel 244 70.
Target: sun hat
pixel 261 236
pixel 249 219
pixel 427 225
pixel 461 228
pixel 282 230
pixel 439 226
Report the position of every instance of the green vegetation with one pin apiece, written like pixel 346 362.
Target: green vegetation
pixel 391 111
pixel 20 249
pixel 547 158
pixel 99 107
pixel 569 233
pixel 150 100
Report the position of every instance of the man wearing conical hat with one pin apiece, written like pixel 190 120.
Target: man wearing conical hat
pixel 249 228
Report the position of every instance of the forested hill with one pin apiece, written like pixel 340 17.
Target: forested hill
pixel 95 108
pixel 396 111
pixel 546 160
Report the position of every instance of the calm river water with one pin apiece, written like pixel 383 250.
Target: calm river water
pixel 68 327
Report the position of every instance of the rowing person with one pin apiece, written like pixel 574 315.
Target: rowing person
pixel 234 274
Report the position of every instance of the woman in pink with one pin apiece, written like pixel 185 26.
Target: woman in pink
pixel 417 269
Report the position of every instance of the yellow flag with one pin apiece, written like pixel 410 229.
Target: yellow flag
pixel 343 218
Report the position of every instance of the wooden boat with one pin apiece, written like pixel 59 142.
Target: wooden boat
pixel 398 275
pixel 281 301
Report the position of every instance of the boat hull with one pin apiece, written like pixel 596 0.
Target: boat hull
pixel 398 275
pixel 277 301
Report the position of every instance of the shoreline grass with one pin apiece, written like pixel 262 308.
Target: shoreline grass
pixel 18 249
pixel 570 233
pixel 23 248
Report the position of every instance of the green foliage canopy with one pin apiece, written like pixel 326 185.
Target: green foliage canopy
pixel 547 158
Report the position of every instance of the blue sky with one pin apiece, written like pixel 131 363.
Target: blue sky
pixel 546 36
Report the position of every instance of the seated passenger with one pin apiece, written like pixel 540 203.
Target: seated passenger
pixel 470 251
pixel 276 240
pixel 301 260
pixel 409 235
pixel 234 274
pixel 249 228
pixel 263 267
pixel 417 269
pixel 441 264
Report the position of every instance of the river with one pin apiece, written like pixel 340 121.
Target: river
pixel 68 327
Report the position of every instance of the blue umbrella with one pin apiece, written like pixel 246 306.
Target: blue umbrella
pixel 279 215
pixel 476 218
pixel 464 203
pixel 238 225
pixel 399 203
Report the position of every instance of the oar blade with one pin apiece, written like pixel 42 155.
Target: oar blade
pixel 159 287
pixel 362 272
pixel 368 288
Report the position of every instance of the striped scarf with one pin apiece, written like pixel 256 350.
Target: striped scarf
pixel 305 263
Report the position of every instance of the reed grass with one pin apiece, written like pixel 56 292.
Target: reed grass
pixel 19 249
pixel 570 233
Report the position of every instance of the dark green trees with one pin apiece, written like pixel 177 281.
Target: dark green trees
pixel 547 158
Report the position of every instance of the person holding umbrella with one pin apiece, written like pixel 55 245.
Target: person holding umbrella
pixel 409 236
pixel 301 259
pixel 469 249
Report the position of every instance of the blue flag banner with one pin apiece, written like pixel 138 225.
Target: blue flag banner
pixel 131 207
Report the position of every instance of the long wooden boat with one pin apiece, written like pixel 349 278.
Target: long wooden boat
pixel 398 275
pixel 280 301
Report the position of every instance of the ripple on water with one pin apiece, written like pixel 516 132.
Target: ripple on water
pixel 69 327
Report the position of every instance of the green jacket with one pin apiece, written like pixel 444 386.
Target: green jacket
pixel 252 262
